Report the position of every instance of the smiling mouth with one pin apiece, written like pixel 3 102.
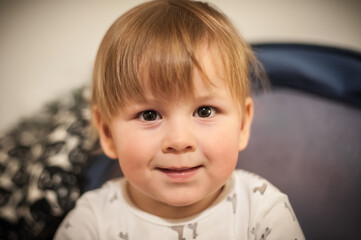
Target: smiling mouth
pixel 180 174
pixel 179 170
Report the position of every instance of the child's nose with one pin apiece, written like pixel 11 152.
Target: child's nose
pixel 179 138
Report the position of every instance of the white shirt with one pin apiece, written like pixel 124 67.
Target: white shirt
pixel 249 207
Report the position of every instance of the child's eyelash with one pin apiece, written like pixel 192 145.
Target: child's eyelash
pixel 149 115
pixel 205 111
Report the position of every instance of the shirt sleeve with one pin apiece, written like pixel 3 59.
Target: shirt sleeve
pixel 80 223
pixel 275 219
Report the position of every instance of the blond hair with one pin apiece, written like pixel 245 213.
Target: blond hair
pixel 158 41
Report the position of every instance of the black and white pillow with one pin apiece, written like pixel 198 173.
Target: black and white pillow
pixel 42 167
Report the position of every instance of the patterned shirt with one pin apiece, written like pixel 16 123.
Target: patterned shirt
pixel 249 207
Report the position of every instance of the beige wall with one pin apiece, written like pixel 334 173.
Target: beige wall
pixel 48 47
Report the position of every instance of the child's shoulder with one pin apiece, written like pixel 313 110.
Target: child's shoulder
pixel 269 210
pixel 92 211
pixel 256 186
pixel 110 191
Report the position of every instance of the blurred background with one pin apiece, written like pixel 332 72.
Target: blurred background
pixel 47 48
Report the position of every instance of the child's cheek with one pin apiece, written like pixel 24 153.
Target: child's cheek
pixel 222 147
pixel 134 150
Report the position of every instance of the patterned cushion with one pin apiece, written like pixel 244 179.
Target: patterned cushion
pixel 42 165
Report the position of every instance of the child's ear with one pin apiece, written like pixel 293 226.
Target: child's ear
pixel 105 135
pixel 246 124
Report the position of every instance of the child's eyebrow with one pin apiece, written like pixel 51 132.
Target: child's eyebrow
pixel 208 95
pixel 147 101
pixel 197 97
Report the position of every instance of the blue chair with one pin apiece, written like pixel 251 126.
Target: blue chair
pixel 306 136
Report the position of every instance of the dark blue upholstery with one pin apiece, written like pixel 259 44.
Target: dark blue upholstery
pixel 306 135
pixel 325 71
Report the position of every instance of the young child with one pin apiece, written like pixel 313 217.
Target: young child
pixel 171 101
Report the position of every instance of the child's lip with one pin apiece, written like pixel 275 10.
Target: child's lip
pixel 180 174
pixel 178 169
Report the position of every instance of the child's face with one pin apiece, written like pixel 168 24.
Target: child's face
pixel 178 154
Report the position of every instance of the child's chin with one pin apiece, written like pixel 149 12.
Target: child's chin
pixel 180 200
pixel 180 203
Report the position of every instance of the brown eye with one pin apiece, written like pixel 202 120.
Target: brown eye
pixel 149 115
pixel 204 112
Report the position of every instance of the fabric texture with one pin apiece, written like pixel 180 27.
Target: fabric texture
pixel 42 165
pixel 249 207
